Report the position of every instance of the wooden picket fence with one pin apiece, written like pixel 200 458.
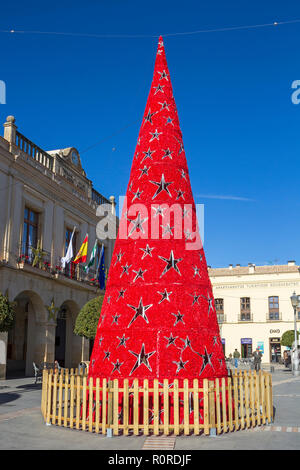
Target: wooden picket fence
pixel 243 400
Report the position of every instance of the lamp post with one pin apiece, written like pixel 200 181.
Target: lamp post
pixel 295 300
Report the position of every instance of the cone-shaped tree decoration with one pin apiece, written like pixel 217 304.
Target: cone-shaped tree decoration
pixel 158 318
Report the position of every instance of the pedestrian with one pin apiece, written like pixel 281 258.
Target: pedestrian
pixel 285 358
pixel 257 359
pixel 236 356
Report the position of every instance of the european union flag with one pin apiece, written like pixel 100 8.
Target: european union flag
pixel 101 272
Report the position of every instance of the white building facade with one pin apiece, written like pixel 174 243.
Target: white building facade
pixel 44 195
pixel 254 308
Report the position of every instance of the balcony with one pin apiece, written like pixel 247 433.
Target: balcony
pixel 221 318
pixel 273 316
pixel 37 260
pixel 245 317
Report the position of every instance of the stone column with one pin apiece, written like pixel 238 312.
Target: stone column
pixel 3 355
pixel 10 130
pixel 45 342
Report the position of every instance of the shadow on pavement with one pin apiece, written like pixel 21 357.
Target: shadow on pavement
pixel 29 387
pixel 7 397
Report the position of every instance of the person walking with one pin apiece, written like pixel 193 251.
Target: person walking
pixel 257 359
pixel 236 356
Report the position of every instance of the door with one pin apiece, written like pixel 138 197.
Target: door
pixel 275 349
pixel 60 341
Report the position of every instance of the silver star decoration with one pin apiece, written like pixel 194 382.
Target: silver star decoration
pixel 206 361
pixel 210 303
pixel 117 366
pixel 142 358
pixel 106 355
pixel 171 263
pixel 187 344
pixel 188 234
pixel 215 338
pixel 122 341
pixel 139 274
pixel 147 251
pixel 196 271
pixel 137 224
pixel 159 88
pixel 140 311
pixel 121 294
pixel 159 52
pixel 144 171
pixel 155 135
pixel 163 75
pixel 119 256
pixel 162 185
pixel 180 365
pixel 167 153
pixel 165 296
pixel 148 117
pixel 171 340
pixel 115 318
pixel 167 229
pixel 185 212
pixel 108 299
pixel 164 105
pixel 195 298
pixel 100 340
pixel 137 194
pixel 180 194
pixel 169 121
pixel 159 211
pixel 179 317
pixel 183 173
pixel 125 269
pixel 181 148
pixel 148 154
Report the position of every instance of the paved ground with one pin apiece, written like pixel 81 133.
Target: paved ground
pixel 22 426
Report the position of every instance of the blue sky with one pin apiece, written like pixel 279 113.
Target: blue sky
pixel 232 89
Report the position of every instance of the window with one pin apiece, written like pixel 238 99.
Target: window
pixel 273 308
pixel 245 308
pixel 219 304
pixel 30 232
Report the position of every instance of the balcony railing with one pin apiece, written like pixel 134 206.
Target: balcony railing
pixel 34 256
pixel 274 316
pixel 245 317
pixel 221 318
pixel 35 152
pixel 98 198
pixel 40 259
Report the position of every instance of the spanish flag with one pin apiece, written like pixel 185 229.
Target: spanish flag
pixel 82 253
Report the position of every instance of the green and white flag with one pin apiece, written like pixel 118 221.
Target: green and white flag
pixel 92 258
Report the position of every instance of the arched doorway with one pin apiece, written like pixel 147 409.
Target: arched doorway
pixel 21 342
pixel 67 344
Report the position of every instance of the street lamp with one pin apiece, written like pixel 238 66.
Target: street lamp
pixel 295 300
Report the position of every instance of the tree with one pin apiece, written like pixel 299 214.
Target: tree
pixel 288 338
pixel 88 318
pixel 6 313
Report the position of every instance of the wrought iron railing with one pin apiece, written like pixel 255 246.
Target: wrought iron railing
pixel 38 258
pixel 274 316
pixel 245 317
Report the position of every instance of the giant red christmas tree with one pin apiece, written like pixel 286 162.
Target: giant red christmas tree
pixel 158 318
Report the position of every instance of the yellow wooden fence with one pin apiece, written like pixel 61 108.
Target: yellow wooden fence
pixel 243 400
